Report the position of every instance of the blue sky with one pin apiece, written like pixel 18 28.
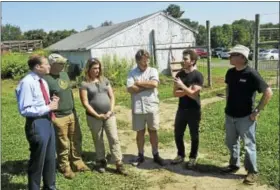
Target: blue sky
pixel 78 15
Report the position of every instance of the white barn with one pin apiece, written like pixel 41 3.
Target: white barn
pixel 124 39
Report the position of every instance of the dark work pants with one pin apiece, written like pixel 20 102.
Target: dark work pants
pixel 41 137
pixel 184 117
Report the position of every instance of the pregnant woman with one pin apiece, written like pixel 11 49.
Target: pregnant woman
pixel 98 99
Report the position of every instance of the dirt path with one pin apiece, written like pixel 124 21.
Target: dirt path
pixel 176 177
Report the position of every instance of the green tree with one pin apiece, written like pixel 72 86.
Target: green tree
pixel 192 24
pixel 106 23
pixel 89 27
pixel 38 34
pixel 11 32
pixel 174 11
pixel 241 35
pixel 243 32
pixel 271 34
pixel 216 36
pixel 227 36
pixel 201 37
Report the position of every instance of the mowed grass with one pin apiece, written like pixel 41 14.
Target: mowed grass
pixel 15 147
pixel 15 153
pixel 213 135
pixel 212 138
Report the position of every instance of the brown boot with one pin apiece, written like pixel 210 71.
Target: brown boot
pixel 120 169
pixel 68 173
pixel 251 179
pixel 81 167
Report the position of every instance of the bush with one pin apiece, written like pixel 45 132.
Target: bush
pixel 14 65
pixel 116 70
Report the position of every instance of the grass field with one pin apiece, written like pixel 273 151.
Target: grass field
pixel 212 138
pixel 15 153
pixel 15 147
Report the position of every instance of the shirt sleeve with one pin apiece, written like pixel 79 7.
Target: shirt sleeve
pixel 200 79
pixel 83 85
pixel 259 83
pixel 26 105
pixel 130 80
pixel 154 75
pixel 226 77
pixel 107 82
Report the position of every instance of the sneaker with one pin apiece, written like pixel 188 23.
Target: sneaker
pixel 177 160
pixel 101 166
pixel 191 164
pixel 250 179
pixel 159 160
pixel 230 169
pixel 139 160
pixel 68 173
pixel 121 170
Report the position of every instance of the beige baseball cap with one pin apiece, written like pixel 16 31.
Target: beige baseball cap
pixel 56 58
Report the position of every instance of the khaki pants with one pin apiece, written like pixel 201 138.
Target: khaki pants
pixel 110 126
pixel 68 143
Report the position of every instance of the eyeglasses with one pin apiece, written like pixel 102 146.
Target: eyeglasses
pixel 234 54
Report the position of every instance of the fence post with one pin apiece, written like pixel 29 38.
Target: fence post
pixel 278 68
pixel 257 40
pixel 209 53
pixel 154 47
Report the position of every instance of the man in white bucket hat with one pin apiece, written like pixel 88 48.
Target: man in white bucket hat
pixel 240 122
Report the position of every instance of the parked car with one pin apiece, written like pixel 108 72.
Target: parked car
pixel 217 52
pixel 202 53
pixel 251 53
pixel 225 54
pixel 270 54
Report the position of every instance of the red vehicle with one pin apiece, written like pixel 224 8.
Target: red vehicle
pixel 202 53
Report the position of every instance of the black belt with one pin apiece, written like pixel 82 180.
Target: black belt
pixel 39 117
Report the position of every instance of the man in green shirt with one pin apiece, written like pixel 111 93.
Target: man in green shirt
pixel 67 128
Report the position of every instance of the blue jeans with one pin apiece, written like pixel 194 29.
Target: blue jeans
pixel 244 128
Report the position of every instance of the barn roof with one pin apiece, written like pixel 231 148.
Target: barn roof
pixel 85 39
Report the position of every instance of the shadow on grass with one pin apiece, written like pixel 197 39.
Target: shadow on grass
pixel 199 170
pixel 10 169
pixel 90 159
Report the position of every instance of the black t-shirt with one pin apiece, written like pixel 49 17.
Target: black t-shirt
pixel 242 87
pixel 192 78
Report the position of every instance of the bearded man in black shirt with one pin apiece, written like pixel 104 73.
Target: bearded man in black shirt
pixel 242 84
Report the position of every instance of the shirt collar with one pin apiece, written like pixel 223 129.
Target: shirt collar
pixel 35 76
pixel 138 69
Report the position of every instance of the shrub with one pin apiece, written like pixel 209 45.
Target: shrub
pixel 115 69
pixel 14 65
